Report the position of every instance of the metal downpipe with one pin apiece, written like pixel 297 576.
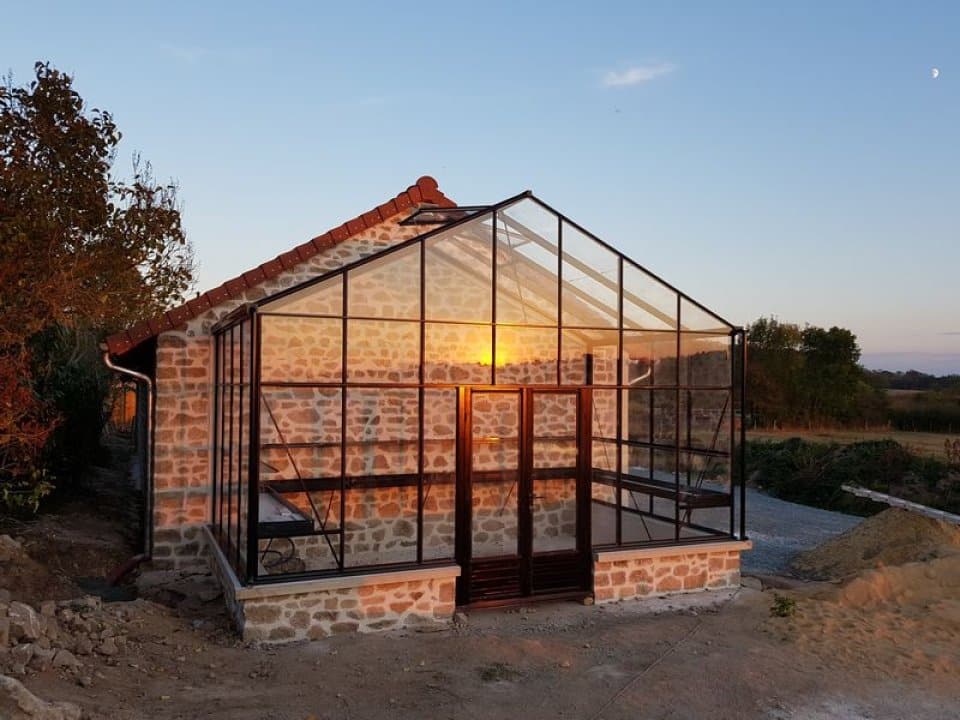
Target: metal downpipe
pixel 148 450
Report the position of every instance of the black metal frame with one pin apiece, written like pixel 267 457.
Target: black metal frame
pixel 247 322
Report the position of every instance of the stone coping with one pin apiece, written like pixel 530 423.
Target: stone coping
pixel 671 550
pixel 338 582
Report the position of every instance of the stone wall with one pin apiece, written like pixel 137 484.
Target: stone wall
pixel 312 609
pixel 630 574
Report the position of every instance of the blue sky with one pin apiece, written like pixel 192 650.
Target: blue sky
pixel 768 158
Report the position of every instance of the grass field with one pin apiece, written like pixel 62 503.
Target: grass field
pixel 922 442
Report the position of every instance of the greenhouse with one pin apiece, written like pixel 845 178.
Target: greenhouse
pixel 503 393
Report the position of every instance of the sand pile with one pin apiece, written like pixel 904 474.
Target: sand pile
pixel 889 622
pixel 892 537
pixel 897 611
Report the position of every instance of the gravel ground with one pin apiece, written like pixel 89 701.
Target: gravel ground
pixel 780 529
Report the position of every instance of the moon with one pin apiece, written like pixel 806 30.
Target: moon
pixel 935 73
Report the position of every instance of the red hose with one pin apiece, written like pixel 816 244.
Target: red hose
pixel 125 569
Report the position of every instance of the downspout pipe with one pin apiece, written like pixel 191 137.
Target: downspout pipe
pixel 147 383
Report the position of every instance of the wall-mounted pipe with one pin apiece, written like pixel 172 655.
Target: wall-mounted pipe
pixel 147 382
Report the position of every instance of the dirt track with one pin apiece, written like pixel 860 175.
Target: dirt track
pixel 675 658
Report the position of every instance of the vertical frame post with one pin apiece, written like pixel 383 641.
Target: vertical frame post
pixel 733 429
pixel 230 452
pixel 676 432
pixel 743 435
pixel 240 451
pixel 420 400
pixel 464 495
pixel 215 484
pixel 619 445
pixel 253 463
pixel 585 480
pixel 341 561
pixel 493 300
pixel 559 300
pixel 525 419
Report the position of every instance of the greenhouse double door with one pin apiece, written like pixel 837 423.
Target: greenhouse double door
pixel 523 508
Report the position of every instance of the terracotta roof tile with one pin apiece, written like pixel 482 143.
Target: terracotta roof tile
pixel 289 259
pixel 179 315
pixel 198 305
pixel 272 268
pixel 218 295
pixel 254 277
pixel 424 191
pixel 235 286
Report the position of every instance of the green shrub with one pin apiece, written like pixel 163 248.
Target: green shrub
pixel 814 473
pixel 22 498
pixel 783 606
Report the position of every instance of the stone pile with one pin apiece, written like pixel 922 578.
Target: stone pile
pixel 69 636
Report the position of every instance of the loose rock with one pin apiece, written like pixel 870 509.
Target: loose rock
pixel 24 621
pixel 18 703
pixel 108 647
pixel 65 659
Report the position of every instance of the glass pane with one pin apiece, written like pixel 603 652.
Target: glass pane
pixel 697 319
pixel 457 354
pixel 648 304
pixel 440 473
pixel 649 358
pixel 591 289
pixel 604 493
pixel 286 518
pixel 383 351
pixel 495 473
pixel 380 525
pixel 589 357
pixel 527 265
pixel 665 417
pixel 324 298
pixel 554 453
pixel 707 422
pixel 299 478
pixel 649 505
pixel 299 415
pixel 707 478
pixel 604 413
pixel 382 430
pixel 388 287
pixel 302 349
pixel 457 269
pixel 526 356
pixel 705 360
pixel 605 459
pixel 638 420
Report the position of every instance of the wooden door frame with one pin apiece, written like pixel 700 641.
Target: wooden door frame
pixel 464 485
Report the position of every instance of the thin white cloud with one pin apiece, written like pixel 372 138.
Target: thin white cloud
pixel 637 75
pixel 189 55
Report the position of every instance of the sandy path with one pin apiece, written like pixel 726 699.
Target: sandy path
pixel 697 656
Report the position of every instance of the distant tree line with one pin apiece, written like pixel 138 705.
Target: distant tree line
pixel 808 377
pixel 913 380
pixel 811 377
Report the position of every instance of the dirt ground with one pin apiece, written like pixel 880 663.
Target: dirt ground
pixel 855 649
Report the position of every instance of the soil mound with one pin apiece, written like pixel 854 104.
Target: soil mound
pixel 893 537
pixel 895 622
pixel 896 612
